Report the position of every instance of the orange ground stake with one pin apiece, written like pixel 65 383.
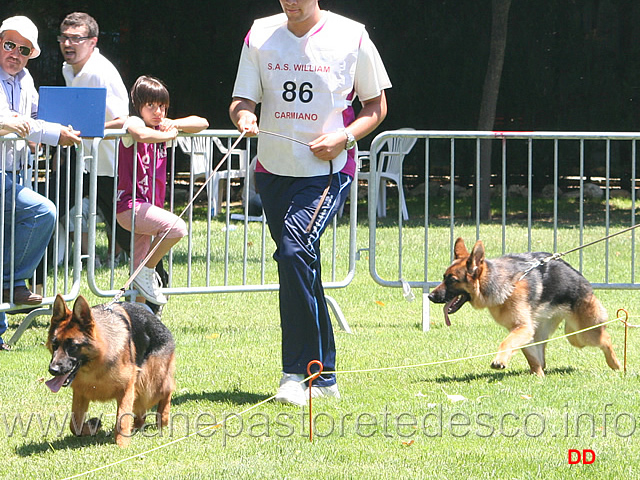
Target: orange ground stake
pixel 313 376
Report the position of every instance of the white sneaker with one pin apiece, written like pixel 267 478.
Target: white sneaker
pixel 331 391
pixel 147 282
pixel 292 390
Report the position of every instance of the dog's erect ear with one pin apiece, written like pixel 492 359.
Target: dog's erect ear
pixel 460 249
pixel 82 315
pixel 60 310
pixel 475 261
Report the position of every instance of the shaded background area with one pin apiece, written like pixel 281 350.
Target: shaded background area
pixel 568 65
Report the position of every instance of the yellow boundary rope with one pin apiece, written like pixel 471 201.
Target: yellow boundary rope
pixel 472 357
pixel 141 454
pixel 381 369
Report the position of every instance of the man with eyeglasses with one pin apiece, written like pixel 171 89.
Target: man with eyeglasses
pixel 85 66
pixel 30 216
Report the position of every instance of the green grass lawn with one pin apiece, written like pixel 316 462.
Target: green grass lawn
pixel 452 420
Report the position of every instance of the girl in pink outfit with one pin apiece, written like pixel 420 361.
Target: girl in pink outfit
pixel 150 130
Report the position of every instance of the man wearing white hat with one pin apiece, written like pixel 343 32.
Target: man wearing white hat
pixel 29 215
pixel 19 38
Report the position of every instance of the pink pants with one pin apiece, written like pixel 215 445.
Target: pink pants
pixel 151 221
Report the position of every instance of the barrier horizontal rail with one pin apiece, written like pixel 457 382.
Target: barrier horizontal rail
pixel 233 253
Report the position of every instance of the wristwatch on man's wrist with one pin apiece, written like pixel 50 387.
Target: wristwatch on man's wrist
pixel 351 140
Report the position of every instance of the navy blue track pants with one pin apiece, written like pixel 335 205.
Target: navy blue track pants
pixel 289 204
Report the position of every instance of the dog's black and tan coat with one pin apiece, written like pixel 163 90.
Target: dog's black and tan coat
pixel 530 306
pixel 122 352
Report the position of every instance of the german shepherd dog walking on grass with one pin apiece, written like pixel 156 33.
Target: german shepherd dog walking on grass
pixel 121 352
pixel 529 295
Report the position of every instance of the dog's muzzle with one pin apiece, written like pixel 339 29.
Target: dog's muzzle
pixel 452 305
pixel 60 379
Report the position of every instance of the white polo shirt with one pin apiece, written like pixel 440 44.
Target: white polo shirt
pixel 99 72
pixel 306 86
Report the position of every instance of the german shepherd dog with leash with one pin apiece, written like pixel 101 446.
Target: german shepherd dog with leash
pixel 120 352
pixel 529 295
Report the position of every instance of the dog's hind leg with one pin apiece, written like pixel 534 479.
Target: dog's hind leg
pixel 159 384
pixel 535 358
pixel 598 337
pixel 607 348
pixel 589 313
pixel 164 407
pixel 166 390
pixel 139 414
pixel 535 354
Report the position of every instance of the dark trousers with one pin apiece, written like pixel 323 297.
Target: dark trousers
pixel 289 204
pixel 104 201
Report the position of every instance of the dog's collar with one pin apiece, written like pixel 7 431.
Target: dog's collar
pixel 537 263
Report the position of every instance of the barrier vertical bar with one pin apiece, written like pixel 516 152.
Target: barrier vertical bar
pixel 426 305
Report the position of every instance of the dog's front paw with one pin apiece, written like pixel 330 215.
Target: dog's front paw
pixel 91 427
pixel 122 441
pixel 498 365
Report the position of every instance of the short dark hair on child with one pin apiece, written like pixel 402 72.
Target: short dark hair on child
pixel 148 90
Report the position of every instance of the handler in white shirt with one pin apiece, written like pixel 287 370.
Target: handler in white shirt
pixel 305 66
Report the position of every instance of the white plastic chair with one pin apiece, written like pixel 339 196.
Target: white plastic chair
pixel 200 150
pixel 389 168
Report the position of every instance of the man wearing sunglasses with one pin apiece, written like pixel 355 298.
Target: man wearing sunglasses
pixel 19 40
pixel 34 215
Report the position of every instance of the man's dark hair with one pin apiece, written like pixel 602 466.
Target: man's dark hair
pixel 80 19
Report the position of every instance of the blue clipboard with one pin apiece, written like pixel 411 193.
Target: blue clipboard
pixel 82 108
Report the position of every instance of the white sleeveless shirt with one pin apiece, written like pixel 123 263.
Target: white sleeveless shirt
pixel 306 86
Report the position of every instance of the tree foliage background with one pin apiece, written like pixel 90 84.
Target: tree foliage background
pixel 569 65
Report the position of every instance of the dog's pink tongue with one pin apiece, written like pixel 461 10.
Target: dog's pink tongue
pixel 55 384
pixel 446 311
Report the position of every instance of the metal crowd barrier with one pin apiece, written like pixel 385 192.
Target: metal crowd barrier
pixel 527 220
pixel 49 172
pixel 227 253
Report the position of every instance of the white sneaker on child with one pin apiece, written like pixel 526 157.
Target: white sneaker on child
pixel 292 390
pixel 147 282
